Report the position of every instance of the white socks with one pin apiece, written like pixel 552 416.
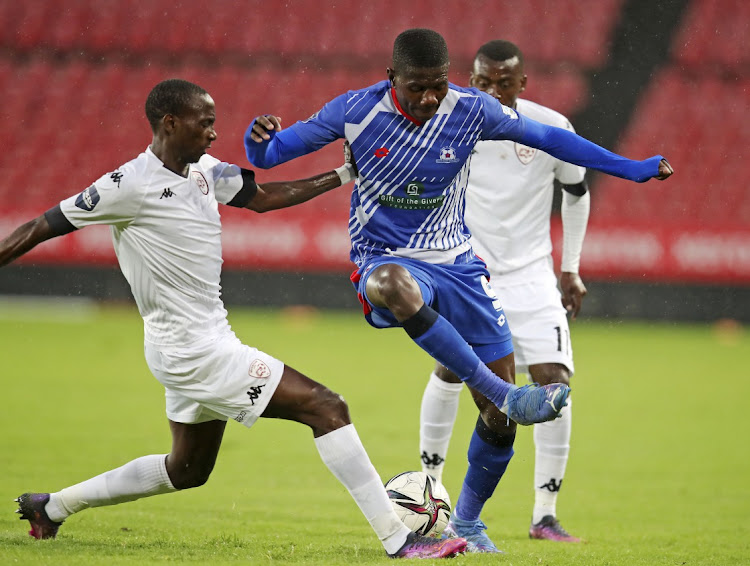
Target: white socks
pixel 343 453
pixel 552 440
pixel 142 477
pixel 439 410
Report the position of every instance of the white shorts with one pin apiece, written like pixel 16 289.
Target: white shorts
pixel 538 322
pixel 217 380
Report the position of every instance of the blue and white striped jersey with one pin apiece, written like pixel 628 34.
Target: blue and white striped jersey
pixel 409 197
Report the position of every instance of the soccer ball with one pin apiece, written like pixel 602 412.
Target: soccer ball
pixel 420 501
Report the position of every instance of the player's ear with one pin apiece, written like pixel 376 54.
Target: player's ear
pixel 168 122
pixel 523 83
pixel 391 76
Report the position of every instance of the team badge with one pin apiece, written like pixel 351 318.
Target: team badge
pixel 88 199
pixel 200 180
pixel 524 153
pixel 258 369
pixel 447 155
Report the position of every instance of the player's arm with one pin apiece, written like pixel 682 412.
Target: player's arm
pixel 576 203
pixel 281 194
pixel 27 236
pixel 267 145
pixel 504 123
pixel 572 148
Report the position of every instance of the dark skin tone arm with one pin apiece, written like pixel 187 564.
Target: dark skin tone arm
pixel 272 196
pixel 25 238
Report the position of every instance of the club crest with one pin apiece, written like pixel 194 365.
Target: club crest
pixel 524 153
pixel 259 369
pixel 200 180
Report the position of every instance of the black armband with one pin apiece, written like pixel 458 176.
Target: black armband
pixel 578 190
pixel 248 190
pixel 58 223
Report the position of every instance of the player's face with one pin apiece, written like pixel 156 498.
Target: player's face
pixel 194 129
pixel 420 90
pixel 503 80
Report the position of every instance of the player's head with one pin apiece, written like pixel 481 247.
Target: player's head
pixel 419 72
pixel 498 71
pixel 182 116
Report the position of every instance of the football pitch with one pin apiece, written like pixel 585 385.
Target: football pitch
pixel 659 472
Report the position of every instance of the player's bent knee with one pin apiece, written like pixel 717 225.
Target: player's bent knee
pixel 545 374
pixel 331 412
pixel 188 476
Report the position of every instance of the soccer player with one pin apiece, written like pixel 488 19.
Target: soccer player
pixel 508 206
pixel 163 210
pixel 412 136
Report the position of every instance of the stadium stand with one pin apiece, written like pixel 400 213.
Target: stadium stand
pixel 695 110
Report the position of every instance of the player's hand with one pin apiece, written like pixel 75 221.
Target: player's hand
pixel 264 124
pixel 665 170
pixel 349 157
pixel 573 292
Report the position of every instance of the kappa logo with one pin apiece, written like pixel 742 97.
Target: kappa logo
pixel 524 153
pixel 200 180
pixel 552 485
pixel 254 392
pixel 167 193
pixel 88 199
pixel 382 152
pixel 259 369
pixel 447 155
pixel 116 178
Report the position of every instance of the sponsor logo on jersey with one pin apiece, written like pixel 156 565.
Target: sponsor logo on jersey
pixel 382 152
pixel 412 200
pixel 241 417
pixel 88 199
pixel 166 193
pixel 524 153
pixel 258 369
pixel 447 155
pixel 200 180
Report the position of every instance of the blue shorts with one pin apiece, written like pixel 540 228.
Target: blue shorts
pixel 460 292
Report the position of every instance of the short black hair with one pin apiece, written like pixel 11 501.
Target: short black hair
pixel 172 96
pixel 500 50
pixel 421 48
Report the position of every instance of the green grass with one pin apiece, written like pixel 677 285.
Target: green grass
pixel 659 469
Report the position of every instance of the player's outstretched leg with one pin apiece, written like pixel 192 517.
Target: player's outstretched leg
pixel 532 404
pixel 417 546
pixel 31 508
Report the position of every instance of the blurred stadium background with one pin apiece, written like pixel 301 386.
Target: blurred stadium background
pixel 636 76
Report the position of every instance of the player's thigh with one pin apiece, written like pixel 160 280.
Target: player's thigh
pixel 539 324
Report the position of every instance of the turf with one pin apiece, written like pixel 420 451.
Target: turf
pixel 658 473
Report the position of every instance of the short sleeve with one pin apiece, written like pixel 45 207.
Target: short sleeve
pixel 232 185
pixel 567 173
pixel 114 199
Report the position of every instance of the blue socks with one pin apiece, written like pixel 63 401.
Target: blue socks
pixel 436 336
pixel 489 456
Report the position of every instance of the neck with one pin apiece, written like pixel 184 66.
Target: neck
pixel 170 160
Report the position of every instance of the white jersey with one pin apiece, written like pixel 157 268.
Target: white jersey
pixel 167 236
pixel 509 196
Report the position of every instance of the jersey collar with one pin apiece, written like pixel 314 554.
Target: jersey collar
pixel 401 110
